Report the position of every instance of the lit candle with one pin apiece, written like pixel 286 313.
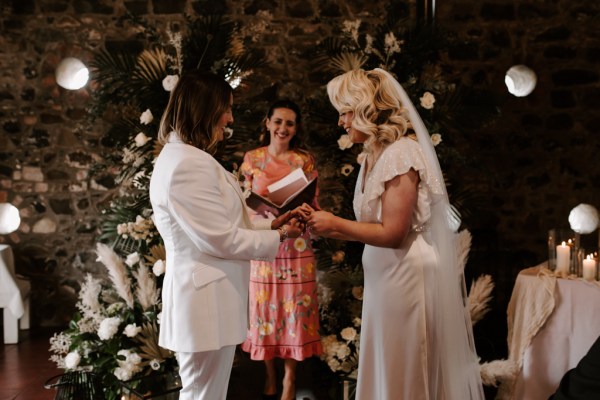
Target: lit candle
pixel 589 268
pixel 563 258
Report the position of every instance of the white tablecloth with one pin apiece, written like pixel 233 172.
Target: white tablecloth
pixel 10 296
pixel 552 323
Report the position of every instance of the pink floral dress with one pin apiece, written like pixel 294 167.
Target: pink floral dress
pixel 283 308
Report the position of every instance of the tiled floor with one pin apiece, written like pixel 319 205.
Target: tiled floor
pixel 24 368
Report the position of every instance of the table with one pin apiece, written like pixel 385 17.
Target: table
pixel 14 296
pixel 552 323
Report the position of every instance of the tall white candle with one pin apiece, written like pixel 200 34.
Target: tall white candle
pixel 563 258
pixel 589 268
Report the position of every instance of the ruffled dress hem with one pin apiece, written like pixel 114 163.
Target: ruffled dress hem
pixel 298 353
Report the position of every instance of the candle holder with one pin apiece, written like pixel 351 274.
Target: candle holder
pixel 564 255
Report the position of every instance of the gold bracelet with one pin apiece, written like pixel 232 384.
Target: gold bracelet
pixel 283 233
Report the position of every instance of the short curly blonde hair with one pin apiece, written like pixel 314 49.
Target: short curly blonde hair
pixel 372 98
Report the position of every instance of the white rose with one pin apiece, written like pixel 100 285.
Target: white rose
pixel 132 330
pixel 170 82
pixel 159 317
pixel 436 139
pixel 344 142
pixel 348 334
pixel 132 259
pixel 584 218
pixel 146 117
pixel 141 139
pixel 108 327
pixel 72 360
pixel 159 267
pixel 427 100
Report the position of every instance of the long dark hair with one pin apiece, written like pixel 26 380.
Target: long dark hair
pixel 195 106
pixel 296 143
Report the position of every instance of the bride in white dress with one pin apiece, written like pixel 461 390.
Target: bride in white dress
pixel 416 338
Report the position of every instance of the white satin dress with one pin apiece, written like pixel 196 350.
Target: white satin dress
pixel 397 354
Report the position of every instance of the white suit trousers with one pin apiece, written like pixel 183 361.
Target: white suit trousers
pixel 205 375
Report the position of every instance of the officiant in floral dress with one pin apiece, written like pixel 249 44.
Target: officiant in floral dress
pixel 284 314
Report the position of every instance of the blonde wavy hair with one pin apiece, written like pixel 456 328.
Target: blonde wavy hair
pixel 377 110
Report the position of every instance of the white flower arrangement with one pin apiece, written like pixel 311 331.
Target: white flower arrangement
pixel 115 333
pixel 340 305
pixel 141 229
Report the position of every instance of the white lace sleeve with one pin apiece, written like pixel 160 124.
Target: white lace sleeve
pixel 397 159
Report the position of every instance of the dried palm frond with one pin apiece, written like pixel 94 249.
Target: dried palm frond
pixel 464 246
pixel 149 348
pixel 146 292
pixel 117 272
pixel 158 146
pixel 347 61
pixel 151 65
pixel 157 252
pixel 479 297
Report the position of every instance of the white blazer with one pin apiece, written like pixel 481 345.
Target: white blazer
pixel 201 215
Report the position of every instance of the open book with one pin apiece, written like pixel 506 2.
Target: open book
pixel 289 192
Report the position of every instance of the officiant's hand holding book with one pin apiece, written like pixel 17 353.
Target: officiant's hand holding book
pixel 286 194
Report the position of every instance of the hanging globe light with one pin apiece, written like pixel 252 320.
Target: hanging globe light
pixel 71 73
pixel 9 218
pixel 520 80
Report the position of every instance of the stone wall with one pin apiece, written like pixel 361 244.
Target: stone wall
pixel 538 161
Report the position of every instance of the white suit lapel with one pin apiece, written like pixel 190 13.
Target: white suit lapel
pixel 232 180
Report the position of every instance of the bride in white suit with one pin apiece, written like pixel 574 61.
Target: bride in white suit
pixel 201 215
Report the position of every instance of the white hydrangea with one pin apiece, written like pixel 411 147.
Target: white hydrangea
pixel 129 367
pixel 108 328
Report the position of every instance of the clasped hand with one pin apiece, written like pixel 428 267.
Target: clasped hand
pixel 293 224
pixel 317 222
pixel 305 217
